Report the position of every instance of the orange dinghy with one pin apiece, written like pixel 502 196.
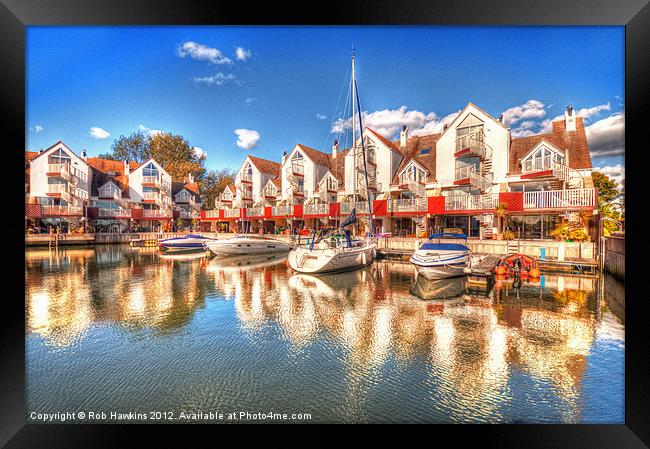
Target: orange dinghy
pixel 518 265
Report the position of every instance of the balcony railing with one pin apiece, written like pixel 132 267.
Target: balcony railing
pixel 471 202
pixel 255 211
pixel 231 213
pixel 157 213
pixel 189 214
pixel 361 206
pixel 298 168
pixel 62 170
pixel 214 213
pixel 62 210
pixel 282 210
pixel 317 209
pixel 115 195
pixel 155 180
pixel 463 172
pixel 113 213
pixel 560 199
pixel 246 177
pixel 409 205
pixel 57 188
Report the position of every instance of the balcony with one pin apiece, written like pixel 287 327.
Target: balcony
pixel 255 211
pixel 361 207
pixel 231 213
pixel 246 177
pixel 214 213
pixel 156 198
pixel 62 170
pixel 104 212
pixel 188 214
pixel 62 210
pixel 409 205
pixel 298 169
pixel 560 199
pixel 317 209
pixel 471 202
pixel 157 213
pixel 154 181
pixel 282 210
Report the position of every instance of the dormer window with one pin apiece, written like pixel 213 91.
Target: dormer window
pixel 412 173
pixel 425 151
pixel 543 158
pixel 110 190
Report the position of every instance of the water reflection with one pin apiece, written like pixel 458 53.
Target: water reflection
pixel 516 353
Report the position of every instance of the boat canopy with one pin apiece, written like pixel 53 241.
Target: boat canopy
pixel 444 247
pixel 448 235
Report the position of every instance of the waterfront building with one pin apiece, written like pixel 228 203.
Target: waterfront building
pixel 77 192
pixel 58 188
pixel 463 178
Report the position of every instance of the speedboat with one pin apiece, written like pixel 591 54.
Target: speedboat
pixel 332 253
pixel 190 242
pixel 239 245
pixel 437 260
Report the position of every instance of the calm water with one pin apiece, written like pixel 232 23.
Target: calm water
pixel 117 329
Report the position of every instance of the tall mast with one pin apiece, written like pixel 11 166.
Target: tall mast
pixel 354 142
pixel 363 145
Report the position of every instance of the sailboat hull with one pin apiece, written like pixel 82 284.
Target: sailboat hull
pixel 333 260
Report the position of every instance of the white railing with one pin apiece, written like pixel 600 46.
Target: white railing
pixel 255 212
pixel 474 142
pixel 116 195
pixel 471 202
pixel 62 210
pixel 155 180
pixel 57 188
pixel 150 196
pixel 214 213
pixel 63 169
pixel 298 168
pixel 409 205
pixel 155 213
pixel 282 210
pixel 560 199
pixel 108 212
pixel 189 214
pixel 361 206
pixel 231 213
pixel 246 177
pixel 317 209
pixel 270 193
pixel 462 172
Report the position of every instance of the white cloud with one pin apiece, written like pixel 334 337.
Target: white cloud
pixel 321 117
pixel 532 109
pixel 389 121
pixel 218 79
pixel 200 153
pixel 151 132
pixel 606 137
pixel 38 128
pixel 249 101
pixel 242 54
pixel 202 52
pixel 247 138
pixel 98 133
pixel 587 113
pixel 617 172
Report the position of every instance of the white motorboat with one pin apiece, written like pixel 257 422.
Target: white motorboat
pixel 438 260
pixel 190 242
pixel 331 254
pixel 240 245
pixel 246 262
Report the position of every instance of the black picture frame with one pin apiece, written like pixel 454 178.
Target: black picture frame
pixel 15 15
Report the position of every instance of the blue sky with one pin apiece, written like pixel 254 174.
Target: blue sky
pixel 88 85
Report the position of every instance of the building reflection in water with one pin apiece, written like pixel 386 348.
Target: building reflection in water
pixel 471 344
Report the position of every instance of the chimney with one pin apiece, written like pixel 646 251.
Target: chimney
pixel 569 119
pixel 127 168
pixel 284 157
pixel 500 118
pixel 403 136
pixel 190 178
pixel 335 148
pixel 444 127
pixel 84 155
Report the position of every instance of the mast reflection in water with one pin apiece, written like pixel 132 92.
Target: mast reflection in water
pixel 123 329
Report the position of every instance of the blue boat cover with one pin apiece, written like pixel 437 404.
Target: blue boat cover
pixel 444 246
pixel 449 235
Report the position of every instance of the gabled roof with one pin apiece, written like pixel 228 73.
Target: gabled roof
pixel 265 166
pixel 317 157
pixel 177 186
pixel 102 167
pixel 574 143
pixel 29 155
pixel 410 152
pixel 385 141
pixel 232 188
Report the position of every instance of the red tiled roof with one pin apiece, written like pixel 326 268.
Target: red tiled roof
pixel 337 165
pixel 29 155
pixel 232 187
pixel 177 186
pixel 101 168
pixel 573 142
pixel 411 152
pixel 386 142
pixel 317 157
pixel 277 182
pixel 265 166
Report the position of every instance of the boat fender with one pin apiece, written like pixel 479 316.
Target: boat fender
pixel 501 270
pixel 534 273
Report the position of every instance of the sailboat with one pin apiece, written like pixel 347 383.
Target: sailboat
pixel 336 251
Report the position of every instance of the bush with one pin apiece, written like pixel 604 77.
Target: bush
pixel 509 235
pixel 570 231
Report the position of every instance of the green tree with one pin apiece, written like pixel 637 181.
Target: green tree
pixel 176 155
pixel 610 198
pixel 607 187
pixel 134 147
pixel 110 156
pixel 213 183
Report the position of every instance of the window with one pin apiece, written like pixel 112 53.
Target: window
pixel 412 174
pixel 109 190
pixel 149 189
pixel 424 151
pixel 59 157
pixel 55 180
pixel 468 132
pixel 150 170
pixel 543 158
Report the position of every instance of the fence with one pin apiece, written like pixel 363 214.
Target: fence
pixel 615 256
